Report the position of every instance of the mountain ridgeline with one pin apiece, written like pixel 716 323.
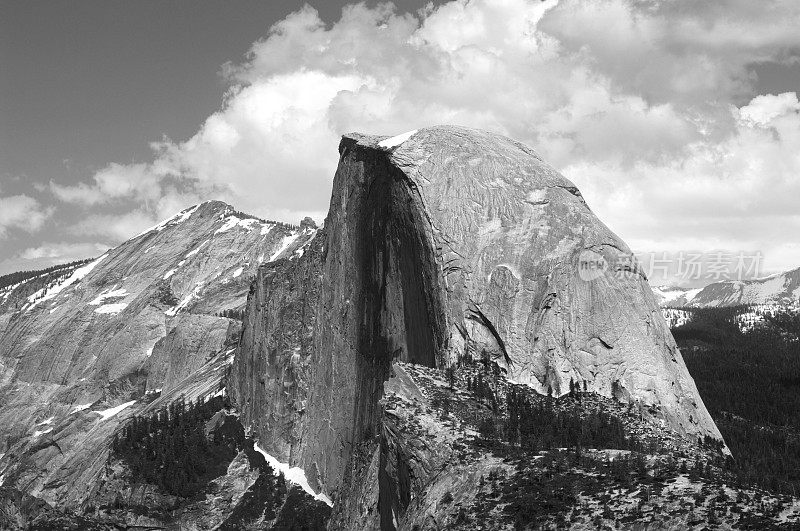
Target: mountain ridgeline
pixel 86 347
pixel 780 290
pixel 434 343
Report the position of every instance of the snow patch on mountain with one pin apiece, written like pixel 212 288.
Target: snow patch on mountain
pixel 294 474
pixel 234 221
pixel 80 407
pixel 302 249
pixel 39 433
pixel 5 292
pixel 196 250
pixel 668 294
pixel 178 218
pixel 692 293
pixel 287 241
pixel 113 293
pixel 79 274
pixel 397 140
pixel 111 309
pixel 674 296
pixel 108 413
pixel 195 294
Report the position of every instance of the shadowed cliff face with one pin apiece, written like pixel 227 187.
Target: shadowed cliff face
pixel 402 310
pixel 323 327
pixel 451 243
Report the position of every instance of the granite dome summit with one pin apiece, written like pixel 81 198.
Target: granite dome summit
pixel 442 244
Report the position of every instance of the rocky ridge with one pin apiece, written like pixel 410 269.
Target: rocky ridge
pixel 756 299
pixel 780 290
pixel 94 343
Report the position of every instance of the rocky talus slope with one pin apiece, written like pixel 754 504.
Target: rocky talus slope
pixel 442 245
pixel 84 349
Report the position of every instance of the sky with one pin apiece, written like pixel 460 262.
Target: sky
pixel 678 120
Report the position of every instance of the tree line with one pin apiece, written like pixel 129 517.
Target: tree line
pixel 20 276
pixel 545 423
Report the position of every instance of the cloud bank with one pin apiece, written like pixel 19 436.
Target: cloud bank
pixel 22 212
pixel 648 106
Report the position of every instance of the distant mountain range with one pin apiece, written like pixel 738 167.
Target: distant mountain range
pixel 780 290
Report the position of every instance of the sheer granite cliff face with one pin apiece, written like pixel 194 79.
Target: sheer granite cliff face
pixel 271 373
pixel 443 244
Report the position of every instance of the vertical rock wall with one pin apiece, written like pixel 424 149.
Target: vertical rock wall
pixel 270 378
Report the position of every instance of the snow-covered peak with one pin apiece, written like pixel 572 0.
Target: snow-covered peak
pixel 781 289
pixel 177 219
pixel 204 209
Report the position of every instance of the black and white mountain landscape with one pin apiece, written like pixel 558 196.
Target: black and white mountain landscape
pixel 442 328
pixel 408 362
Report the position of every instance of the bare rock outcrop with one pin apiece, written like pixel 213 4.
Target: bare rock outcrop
pixel 82 348
pixel 193 341
pixel 441 244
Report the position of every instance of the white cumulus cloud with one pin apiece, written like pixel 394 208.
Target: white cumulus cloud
pixel 22 212
pixel 62 252
pixel 639 102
